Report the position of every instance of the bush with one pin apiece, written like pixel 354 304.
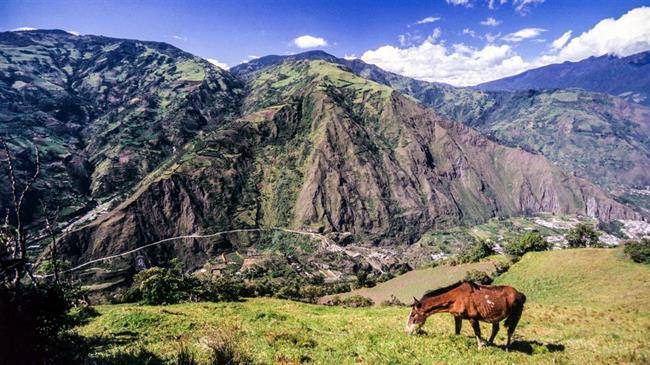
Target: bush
pixel 353 301
pixel 156 286
pixel 531 241
pixel 479 277
pixel 638 251
pixel 479 250
pixel 582 235
pixel 393 301
pixel 35 325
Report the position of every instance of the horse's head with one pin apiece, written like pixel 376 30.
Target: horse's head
pixel 417 317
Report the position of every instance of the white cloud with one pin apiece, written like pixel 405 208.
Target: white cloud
pixel 466 3
pixel 490 22
pixel 252 56
pixel 624 36
pixel 437 32
pixel 23 29
pixel 72 32
pixel 432 59
pixel 307 41
pixel 429 19
pixel 459 64
pixel 179 38
pixel 350 57
pixel 490 38
pixel 523 6
pixel 560 42
pixel 523 34
pixel 469 32
pixel 217 63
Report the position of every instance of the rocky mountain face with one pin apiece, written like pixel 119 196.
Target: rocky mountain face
pixel 104 112
pixel 596 136
pixel 626 77
pixel 320 148
pixel 182 147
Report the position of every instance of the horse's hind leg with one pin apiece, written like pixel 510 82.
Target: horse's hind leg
pixel 513 319
pixel 458 322
pixel 495 330
pixel 477 332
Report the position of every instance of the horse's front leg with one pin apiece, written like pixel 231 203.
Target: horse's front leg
pixel 458 322
pixel 495 330
pixel 477 332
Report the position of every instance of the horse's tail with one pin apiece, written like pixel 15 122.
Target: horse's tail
pixel 515 314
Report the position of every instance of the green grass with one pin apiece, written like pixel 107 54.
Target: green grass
pixel 417 282
pixel 584 306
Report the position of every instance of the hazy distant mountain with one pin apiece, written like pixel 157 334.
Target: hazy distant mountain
pixel 626 77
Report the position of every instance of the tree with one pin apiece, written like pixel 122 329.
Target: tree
pixel 481 249
pixel 531 241
pixel 14 263
pixel 582 235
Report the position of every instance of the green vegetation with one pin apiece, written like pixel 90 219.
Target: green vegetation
pixel 575 313
pixel 638 251
pixel 530 242
pixel 477 276
pixel 479 250
pixel 582 235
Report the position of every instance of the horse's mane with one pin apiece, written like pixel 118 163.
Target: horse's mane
pixel 436 292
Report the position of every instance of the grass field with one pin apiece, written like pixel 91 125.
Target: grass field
pixel 417 282
pixel 586 306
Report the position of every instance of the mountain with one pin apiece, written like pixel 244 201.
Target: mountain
pixel 626 77
pixel 597 136
pixel 173 145
pixel 104 112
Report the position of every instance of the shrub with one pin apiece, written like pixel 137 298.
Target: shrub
pixel 478 276
pixel 531 241
pixel 638 251
pixel 479 250
pixel 393 301
pixel 158 285
pixel 353 301
pixel 582 235
pixel 35 325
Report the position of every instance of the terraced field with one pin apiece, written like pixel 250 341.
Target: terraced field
pixel 584 306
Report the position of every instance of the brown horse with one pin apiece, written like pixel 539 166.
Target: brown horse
pixel 474 302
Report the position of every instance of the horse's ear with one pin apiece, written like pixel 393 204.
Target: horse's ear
pixel 416 302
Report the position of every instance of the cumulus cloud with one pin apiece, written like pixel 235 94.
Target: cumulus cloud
pixel 23 29
pixel 431 59
pixel 308 41
pixel 522 34
pixel 217 63
pixel 624 36
pixel 491 22
pixel 560 42
pixel 459 64
pixel 429 19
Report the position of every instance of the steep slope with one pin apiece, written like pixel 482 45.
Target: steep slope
pixel 103 111
pixel 321 147
pixel 627 77
pixel 599 137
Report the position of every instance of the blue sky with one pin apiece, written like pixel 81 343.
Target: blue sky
pixel 449 44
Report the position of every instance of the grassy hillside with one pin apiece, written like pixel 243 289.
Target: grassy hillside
pixel 417 282
pixel 568 319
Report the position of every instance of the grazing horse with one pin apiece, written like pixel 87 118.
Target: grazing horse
pixel 474 302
